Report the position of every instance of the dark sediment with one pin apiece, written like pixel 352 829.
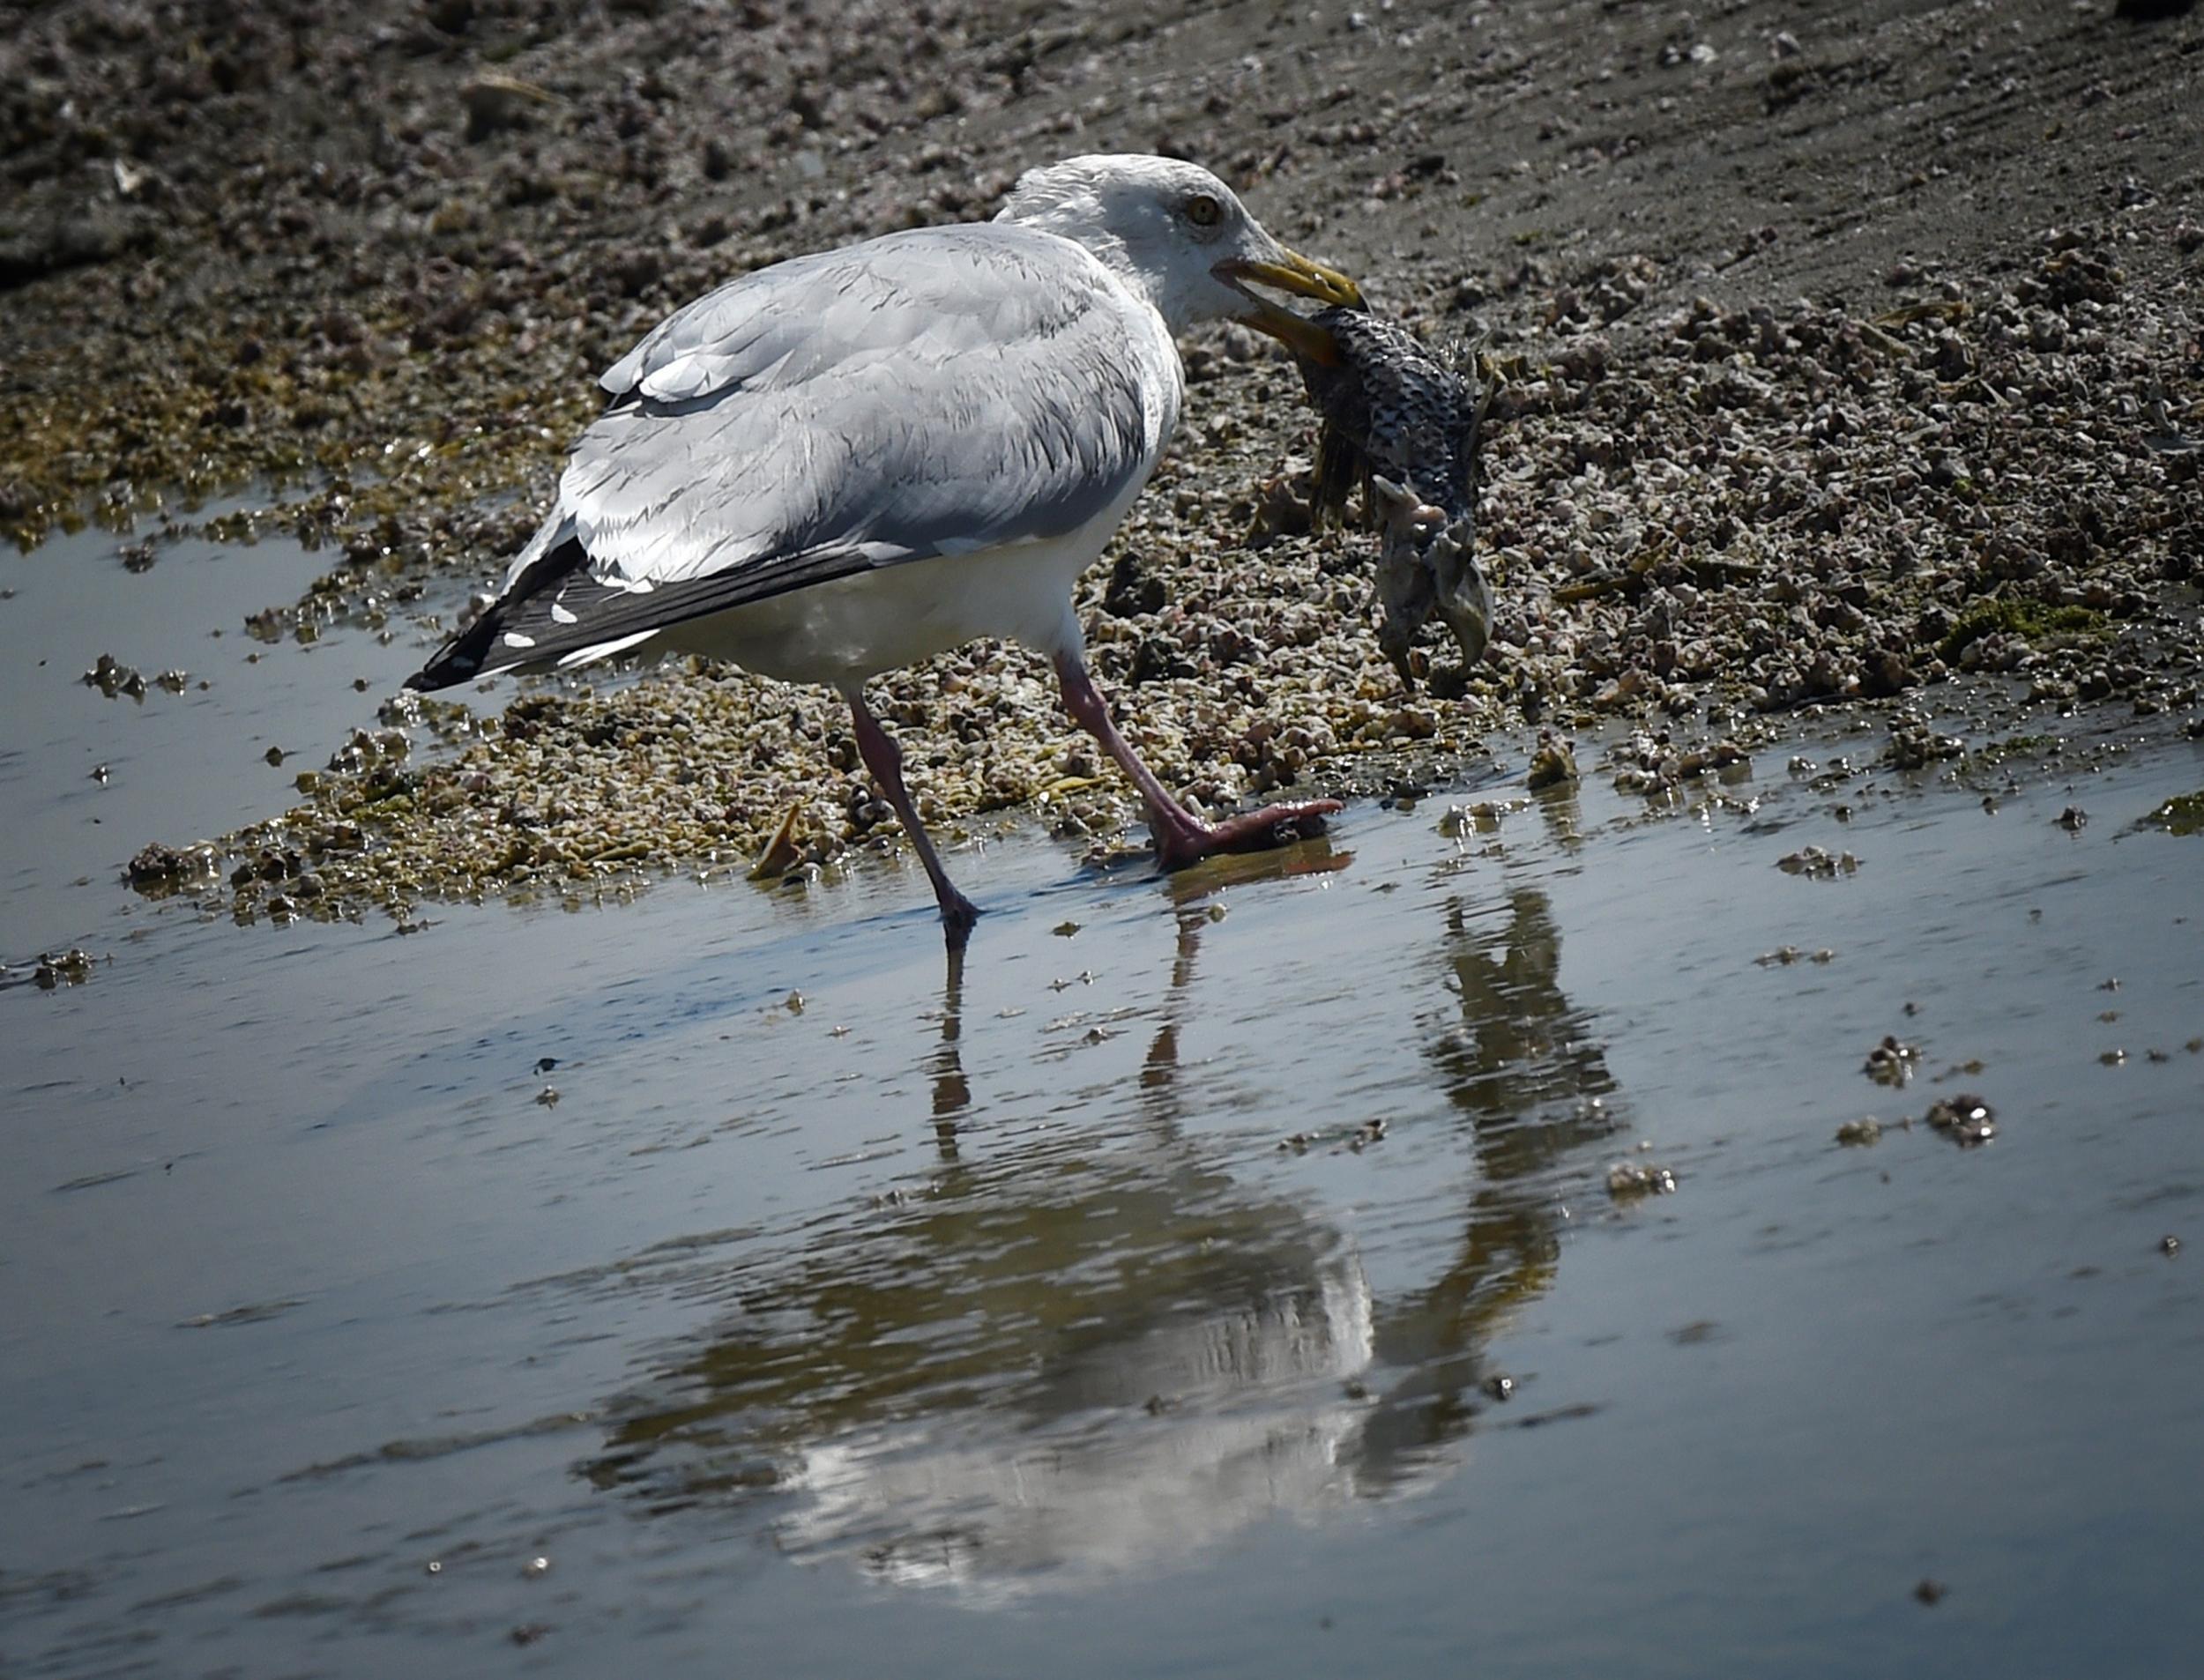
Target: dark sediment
pixel 1848 351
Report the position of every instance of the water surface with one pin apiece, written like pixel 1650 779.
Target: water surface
pixel 1213 1275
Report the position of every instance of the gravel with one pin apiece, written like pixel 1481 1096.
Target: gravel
pixel 1838 367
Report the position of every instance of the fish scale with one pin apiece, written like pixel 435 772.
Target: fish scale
pixel 1405 424
pixel 1390 406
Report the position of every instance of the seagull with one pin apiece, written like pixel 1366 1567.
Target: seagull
pixel 844 462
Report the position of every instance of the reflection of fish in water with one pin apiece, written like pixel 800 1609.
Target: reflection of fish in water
pixel 1406 423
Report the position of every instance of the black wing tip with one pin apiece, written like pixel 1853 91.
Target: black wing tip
pixel 464 656
pixel 459 660
pixel 433 676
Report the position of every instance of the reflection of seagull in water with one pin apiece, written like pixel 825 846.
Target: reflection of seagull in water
pixel 850 461
pixel 1258 1423
pixel 1097 1352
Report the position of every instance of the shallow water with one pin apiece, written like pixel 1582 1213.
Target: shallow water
pixel 85 779
pixel 826 1311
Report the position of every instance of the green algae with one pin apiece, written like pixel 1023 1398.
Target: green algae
pixel 2183 814
pixel 2035 620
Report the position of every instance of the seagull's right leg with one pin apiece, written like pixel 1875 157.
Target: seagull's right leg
pixel 884 759
pixel 1181 836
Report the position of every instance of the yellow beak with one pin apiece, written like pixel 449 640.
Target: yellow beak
pixel 1295 273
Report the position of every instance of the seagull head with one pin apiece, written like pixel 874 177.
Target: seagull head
pixel 1181 238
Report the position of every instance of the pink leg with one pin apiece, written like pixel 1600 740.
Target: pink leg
pixel 1181 836
pixel 884 759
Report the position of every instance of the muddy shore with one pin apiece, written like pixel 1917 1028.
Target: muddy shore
pixel 1848 349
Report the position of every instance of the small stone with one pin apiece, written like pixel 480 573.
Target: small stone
pixel 1817 863
pixel 1891 1062
pixel 72 967
pixel 1965 1119
pixel 1628 1181
pixel 1553 764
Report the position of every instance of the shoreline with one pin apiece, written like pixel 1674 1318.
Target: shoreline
pixel 1841 359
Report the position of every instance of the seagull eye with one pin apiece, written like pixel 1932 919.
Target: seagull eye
pixel 1204 211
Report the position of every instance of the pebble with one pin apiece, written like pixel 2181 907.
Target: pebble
pixel 1891 1062
pixel 1966 1118
pixel 1629 1180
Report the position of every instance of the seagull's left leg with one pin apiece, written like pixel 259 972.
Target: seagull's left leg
pixel 1181 836
pixel 884 759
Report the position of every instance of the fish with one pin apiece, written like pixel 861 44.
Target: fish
pixel 1405 422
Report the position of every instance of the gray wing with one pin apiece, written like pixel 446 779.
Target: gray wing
pixel 931 392
pixel 942 389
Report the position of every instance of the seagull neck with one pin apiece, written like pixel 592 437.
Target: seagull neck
pixel 1068 220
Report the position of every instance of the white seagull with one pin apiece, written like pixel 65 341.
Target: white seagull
pixel 848 461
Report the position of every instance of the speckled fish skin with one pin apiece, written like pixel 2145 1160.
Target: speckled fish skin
pixel 1405 423
pixel 1390 406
